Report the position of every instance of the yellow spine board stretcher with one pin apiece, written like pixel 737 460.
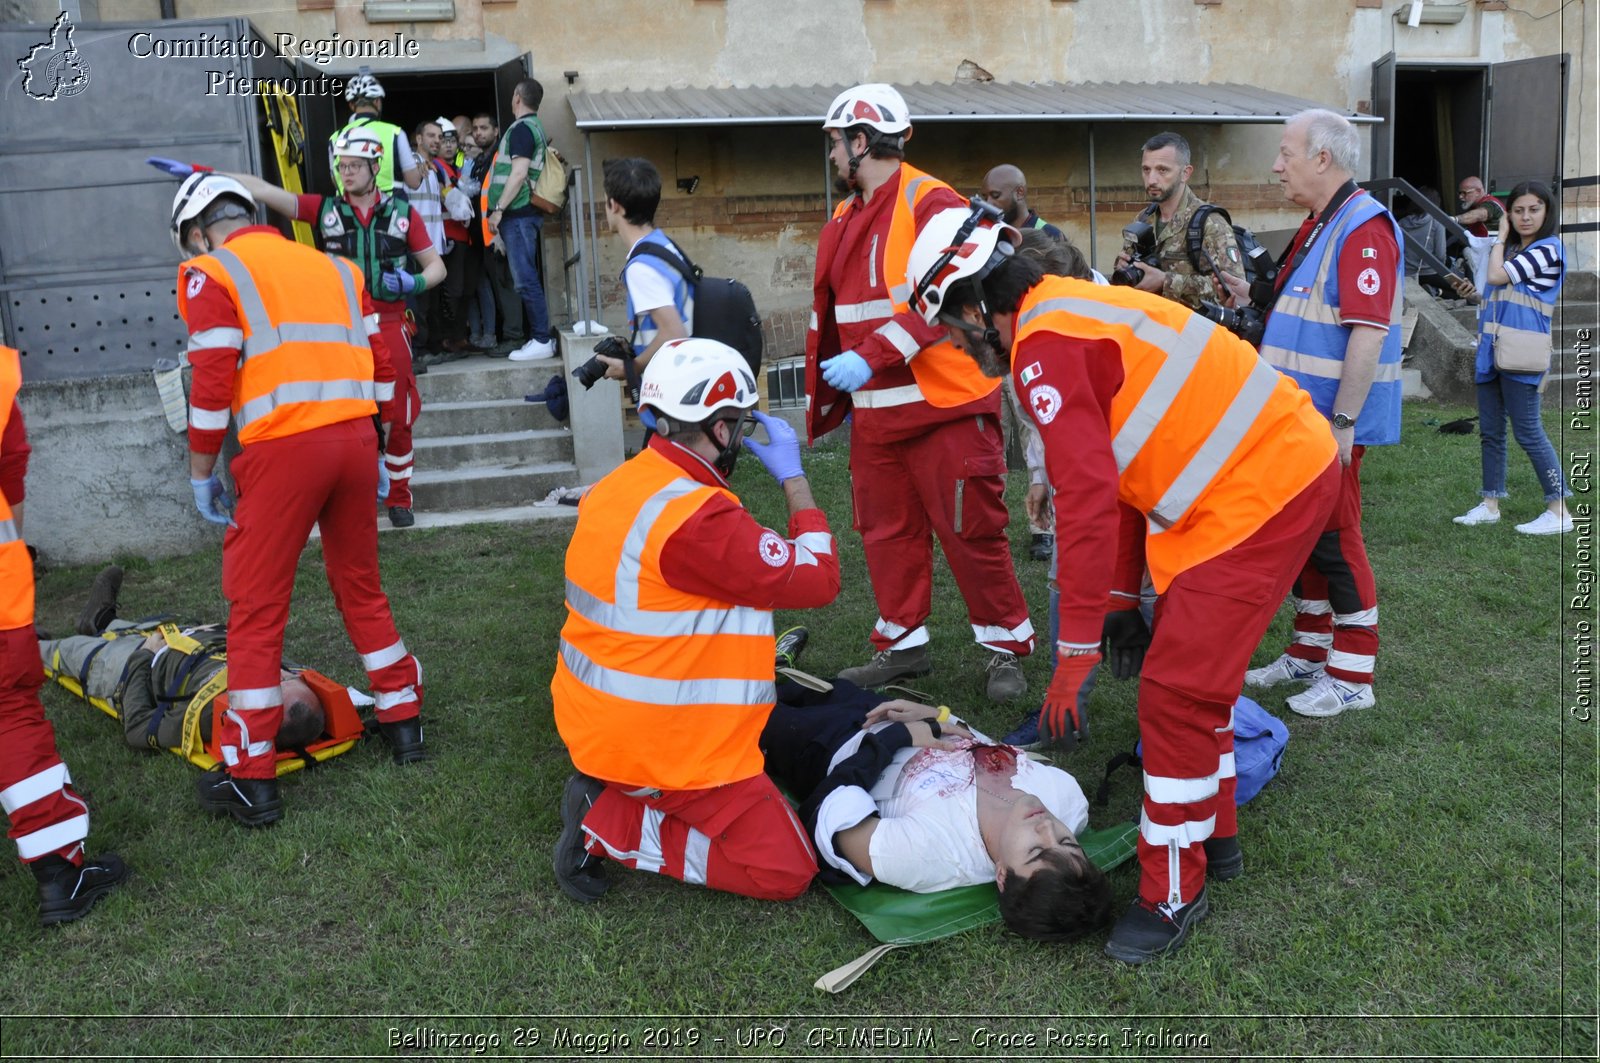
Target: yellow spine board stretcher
pixel 289 146
pixel 341 730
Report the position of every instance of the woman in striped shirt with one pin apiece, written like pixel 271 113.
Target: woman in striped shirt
pixel 1526 269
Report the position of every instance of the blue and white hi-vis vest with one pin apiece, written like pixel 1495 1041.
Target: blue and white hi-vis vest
pixel 1305 341
pixel 1517 308
pixel 682 294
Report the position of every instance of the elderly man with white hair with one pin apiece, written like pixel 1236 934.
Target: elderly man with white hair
pixel 1334 329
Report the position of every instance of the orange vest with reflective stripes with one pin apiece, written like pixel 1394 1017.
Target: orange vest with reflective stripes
pixel 304 362
pixel 16 568
pixel 944 373
pixel 654 686
pixel 1210 441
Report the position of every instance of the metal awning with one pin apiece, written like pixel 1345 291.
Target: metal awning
pixel 961 101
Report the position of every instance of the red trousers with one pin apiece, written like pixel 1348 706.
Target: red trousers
pixel 1207 624
pixel 1336 597
pixel 326 477
pixel 740 838
pixel 397 451
pixel 949 482
pixel 35 789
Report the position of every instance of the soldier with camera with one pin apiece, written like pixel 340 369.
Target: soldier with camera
pixel 1156 254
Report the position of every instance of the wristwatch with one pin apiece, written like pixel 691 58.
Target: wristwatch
pixel 1343 421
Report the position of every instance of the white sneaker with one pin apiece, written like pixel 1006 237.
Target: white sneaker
pixel 1329 697
pixel 1285 669
pixel 1547 523
pixel 1479 514
pixel 533 350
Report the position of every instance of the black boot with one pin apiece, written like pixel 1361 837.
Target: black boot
pixel 253 802
pixel 401 517
pixel 405 739
pixel 1148 931
pixel 580 874
pixel 67 892
pixel 1224 858
pixel 101 608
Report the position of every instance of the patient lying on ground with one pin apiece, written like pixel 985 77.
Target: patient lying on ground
pixel 891 793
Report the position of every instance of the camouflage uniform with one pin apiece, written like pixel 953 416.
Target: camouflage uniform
pixel 1184 284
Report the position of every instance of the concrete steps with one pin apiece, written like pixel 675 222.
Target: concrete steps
pixel 483 454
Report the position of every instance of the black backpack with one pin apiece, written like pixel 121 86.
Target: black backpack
pixel 1194 241
pixel 724 309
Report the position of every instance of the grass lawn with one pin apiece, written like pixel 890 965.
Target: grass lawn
pixel 1421 878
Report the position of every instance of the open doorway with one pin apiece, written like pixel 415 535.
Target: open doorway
pixel 410 98
pixel 1439 126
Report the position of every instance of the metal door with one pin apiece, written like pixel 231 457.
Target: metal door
pixel 87 268
pixel 1527 121
pixel 1383 107
pixel 506 76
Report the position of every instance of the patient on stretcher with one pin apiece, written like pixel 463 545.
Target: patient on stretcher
pixel 891 793
pixel 149 675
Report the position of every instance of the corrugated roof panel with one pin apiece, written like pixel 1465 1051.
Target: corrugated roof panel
pixel 945 102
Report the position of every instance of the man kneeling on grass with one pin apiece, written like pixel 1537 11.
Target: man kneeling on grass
pixel 907 795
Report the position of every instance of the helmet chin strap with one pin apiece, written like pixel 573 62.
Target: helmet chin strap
pixel 729 453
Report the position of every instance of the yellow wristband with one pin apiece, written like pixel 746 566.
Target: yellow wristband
pixel 944 714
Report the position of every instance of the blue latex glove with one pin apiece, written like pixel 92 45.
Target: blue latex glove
pixel 847 371
pixel 212 501
pixel 172 167
pixel 781 455
pixel 383 479
pixel 398 282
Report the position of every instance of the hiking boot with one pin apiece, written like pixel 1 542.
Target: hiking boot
pixel 1224 858
pixel 405 739
pixel 1026 733
pixel 401 517
pixel 580 874
pixel 887 666
pixel 791 644
pixel 1005 680
pixel 1329 697
pixel 1149 931
pixel 1285 669
pixel 1042 547
pixel 101 608
pixel 67 892
pixel 253 802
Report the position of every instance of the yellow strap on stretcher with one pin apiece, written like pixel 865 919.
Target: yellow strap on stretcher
pixel 177 640
pixel 194 747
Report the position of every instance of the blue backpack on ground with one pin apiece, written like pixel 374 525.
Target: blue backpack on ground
pixel 1259 739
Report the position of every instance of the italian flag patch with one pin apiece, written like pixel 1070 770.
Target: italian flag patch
pixel 1031 373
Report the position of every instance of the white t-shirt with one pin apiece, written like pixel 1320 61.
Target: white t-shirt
pixel 650 288
pixel 927 837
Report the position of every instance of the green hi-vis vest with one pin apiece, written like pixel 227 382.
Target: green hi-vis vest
pixel 386 132
pixel 375 247
pixel 502 165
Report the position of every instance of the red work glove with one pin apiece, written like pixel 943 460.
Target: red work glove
pixel 1064 718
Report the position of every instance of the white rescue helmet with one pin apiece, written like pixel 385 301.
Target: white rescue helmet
pixel 688 380
pixel 196 195
pixel 362 87
pixel 358 142
pixel 937 262
pixel 446 127
pixel 879 106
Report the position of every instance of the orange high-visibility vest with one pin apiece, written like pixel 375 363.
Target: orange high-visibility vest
pixel 1210 441
pixel 16 568
pixel 654 686
pixel 304 361
pixel 945 375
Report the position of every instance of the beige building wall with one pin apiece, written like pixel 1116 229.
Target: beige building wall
pixel 762 193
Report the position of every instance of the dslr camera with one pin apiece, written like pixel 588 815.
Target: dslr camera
pixel 1142 235
pixel 1248 322
pixel 594 370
